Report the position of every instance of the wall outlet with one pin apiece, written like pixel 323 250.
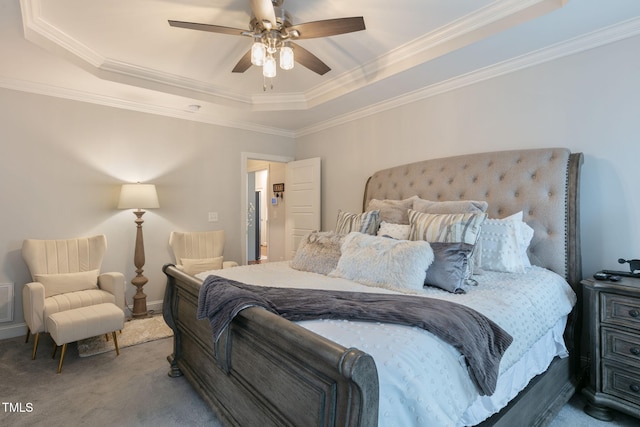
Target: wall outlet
pixel 213 216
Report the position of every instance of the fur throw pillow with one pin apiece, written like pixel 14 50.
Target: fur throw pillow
pixel 318 252
pixel 384 262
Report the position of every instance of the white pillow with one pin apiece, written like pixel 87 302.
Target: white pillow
pixel 526 235
pixel 396 231
pixel 62 283
pixel 384 262
pixel 503 244
pixel 194 266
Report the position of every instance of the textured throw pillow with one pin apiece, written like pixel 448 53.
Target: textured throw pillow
pixel 194 266
pixel 383 262
pixel 504 243
pixel 449 268
pixel 396 231
pixel 446 228
pixel 55 284
pixel 449 207
pixel 367 222
pixel 393 211
pixel 318 252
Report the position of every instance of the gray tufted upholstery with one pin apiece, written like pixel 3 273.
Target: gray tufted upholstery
pixel 542 183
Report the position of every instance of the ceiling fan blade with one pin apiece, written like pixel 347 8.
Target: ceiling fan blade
pixel 208 27
pixel 263 11
pixel 328 27
pixel 244 63
pixel 309 60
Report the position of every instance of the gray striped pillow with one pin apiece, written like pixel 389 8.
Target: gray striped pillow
pixel 367 222
pixel 445 228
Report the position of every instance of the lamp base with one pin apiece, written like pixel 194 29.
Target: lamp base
pixel 140 298
pixel 139 305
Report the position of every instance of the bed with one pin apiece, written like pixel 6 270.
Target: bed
pixel 266 370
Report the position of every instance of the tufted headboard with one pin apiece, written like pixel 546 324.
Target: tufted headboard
pixel 543 183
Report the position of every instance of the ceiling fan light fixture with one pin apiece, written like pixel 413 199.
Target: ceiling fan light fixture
pixel 286 58
pixel 258 53
pixel 269 67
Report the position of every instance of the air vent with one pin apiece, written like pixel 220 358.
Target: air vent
pixel 6 302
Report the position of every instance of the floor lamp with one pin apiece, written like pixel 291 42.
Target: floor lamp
pixel 139 196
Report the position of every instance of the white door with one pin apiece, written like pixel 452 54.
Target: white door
pixel 302 200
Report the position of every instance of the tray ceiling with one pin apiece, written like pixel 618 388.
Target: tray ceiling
pixel 123 53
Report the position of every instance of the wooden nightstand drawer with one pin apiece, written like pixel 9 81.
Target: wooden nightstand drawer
pixel 620 310
pixel 621 381
pixel 621 346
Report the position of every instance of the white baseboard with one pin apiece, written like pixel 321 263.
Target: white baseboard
pixel 12 331
pixel 20 329
pixel 154 307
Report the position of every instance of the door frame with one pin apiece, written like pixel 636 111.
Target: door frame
pixel 244 157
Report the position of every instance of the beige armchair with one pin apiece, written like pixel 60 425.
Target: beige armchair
pixel 199 251
pixel 66 275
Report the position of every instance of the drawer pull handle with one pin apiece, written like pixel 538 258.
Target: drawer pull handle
pixel 634 388
pixel 634 313
pixel 635 351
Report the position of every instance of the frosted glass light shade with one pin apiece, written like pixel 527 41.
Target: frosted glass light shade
pixel 258 52
pixel 286 58
pixel 138 196
pixel 269 67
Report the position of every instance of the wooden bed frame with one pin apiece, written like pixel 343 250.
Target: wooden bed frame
pixel 270 371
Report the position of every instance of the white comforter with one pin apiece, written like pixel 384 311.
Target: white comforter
pixel 423 380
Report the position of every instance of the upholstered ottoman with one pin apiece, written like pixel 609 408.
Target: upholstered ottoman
pixel 84 322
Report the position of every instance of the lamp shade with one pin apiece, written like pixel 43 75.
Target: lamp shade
pixel 138 196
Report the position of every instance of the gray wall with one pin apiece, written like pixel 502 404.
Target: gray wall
pixel 62 165
pixel 63 161
pixel 588 102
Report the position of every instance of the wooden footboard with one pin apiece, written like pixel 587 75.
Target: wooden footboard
pixel 268 371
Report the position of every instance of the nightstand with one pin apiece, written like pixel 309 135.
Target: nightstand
pixel 612 325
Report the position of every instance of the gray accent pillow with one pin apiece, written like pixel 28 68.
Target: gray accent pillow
pixel 449 268
pixel 393 211
pixel 449 207
pixel 366 222
pixel 319 252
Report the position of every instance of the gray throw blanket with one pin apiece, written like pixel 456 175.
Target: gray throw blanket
pixel 481 341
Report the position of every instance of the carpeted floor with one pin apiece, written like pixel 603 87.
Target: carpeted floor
pixel 132 389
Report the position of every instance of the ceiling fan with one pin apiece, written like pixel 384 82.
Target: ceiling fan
pixel 272 31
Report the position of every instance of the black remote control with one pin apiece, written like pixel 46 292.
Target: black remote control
pixel 606 276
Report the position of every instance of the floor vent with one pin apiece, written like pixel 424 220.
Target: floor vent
pixel 6 302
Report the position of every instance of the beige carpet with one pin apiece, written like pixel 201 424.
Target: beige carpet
pixel 136 331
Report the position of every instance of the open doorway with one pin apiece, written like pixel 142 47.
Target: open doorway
pixel 263 224
pixel 258 211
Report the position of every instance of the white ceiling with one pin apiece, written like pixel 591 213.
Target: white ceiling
pixel 124 54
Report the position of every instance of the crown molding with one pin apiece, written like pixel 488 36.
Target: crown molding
pixel 480 24
pixel 573 46
pixel 475 26
pixel 201 116
pixel 348 81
